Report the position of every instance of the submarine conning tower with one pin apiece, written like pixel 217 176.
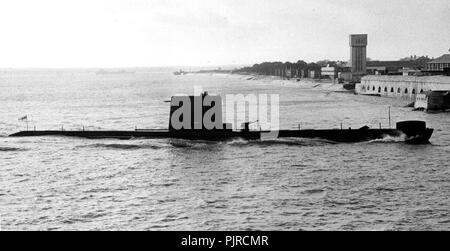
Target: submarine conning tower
pixel 192 110
pixel 412 128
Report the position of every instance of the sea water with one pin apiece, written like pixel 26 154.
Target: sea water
pixel 59 183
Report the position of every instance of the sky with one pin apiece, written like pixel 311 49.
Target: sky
pixel 141 33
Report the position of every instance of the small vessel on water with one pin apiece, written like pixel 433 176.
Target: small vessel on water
pixel 180 72
pixel 105 72
pixel 414 132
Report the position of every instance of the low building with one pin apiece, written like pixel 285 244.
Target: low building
pixel 410 72
pixel 402 87
pixel 330 72
pixel 439 65
pixel 393 67
pixel 376 70
pixel 345 77
pixel 288 73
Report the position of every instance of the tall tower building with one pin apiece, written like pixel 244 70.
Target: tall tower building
pixel 358 45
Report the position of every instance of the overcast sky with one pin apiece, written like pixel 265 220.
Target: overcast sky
pixel 127 33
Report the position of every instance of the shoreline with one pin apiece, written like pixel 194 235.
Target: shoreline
pixel 325 85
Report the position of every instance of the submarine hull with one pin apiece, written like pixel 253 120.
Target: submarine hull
pixel 344 136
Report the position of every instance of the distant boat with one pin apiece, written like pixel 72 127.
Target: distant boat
pixel 102 72
pixel 180 72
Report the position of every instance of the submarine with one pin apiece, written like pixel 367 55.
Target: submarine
pixel 413 132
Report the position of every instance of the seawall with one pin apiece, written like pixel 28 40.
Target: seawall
pixel 401 87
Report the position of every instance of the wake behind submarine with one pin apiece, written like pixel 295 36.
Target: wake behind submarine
pixel 414 132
